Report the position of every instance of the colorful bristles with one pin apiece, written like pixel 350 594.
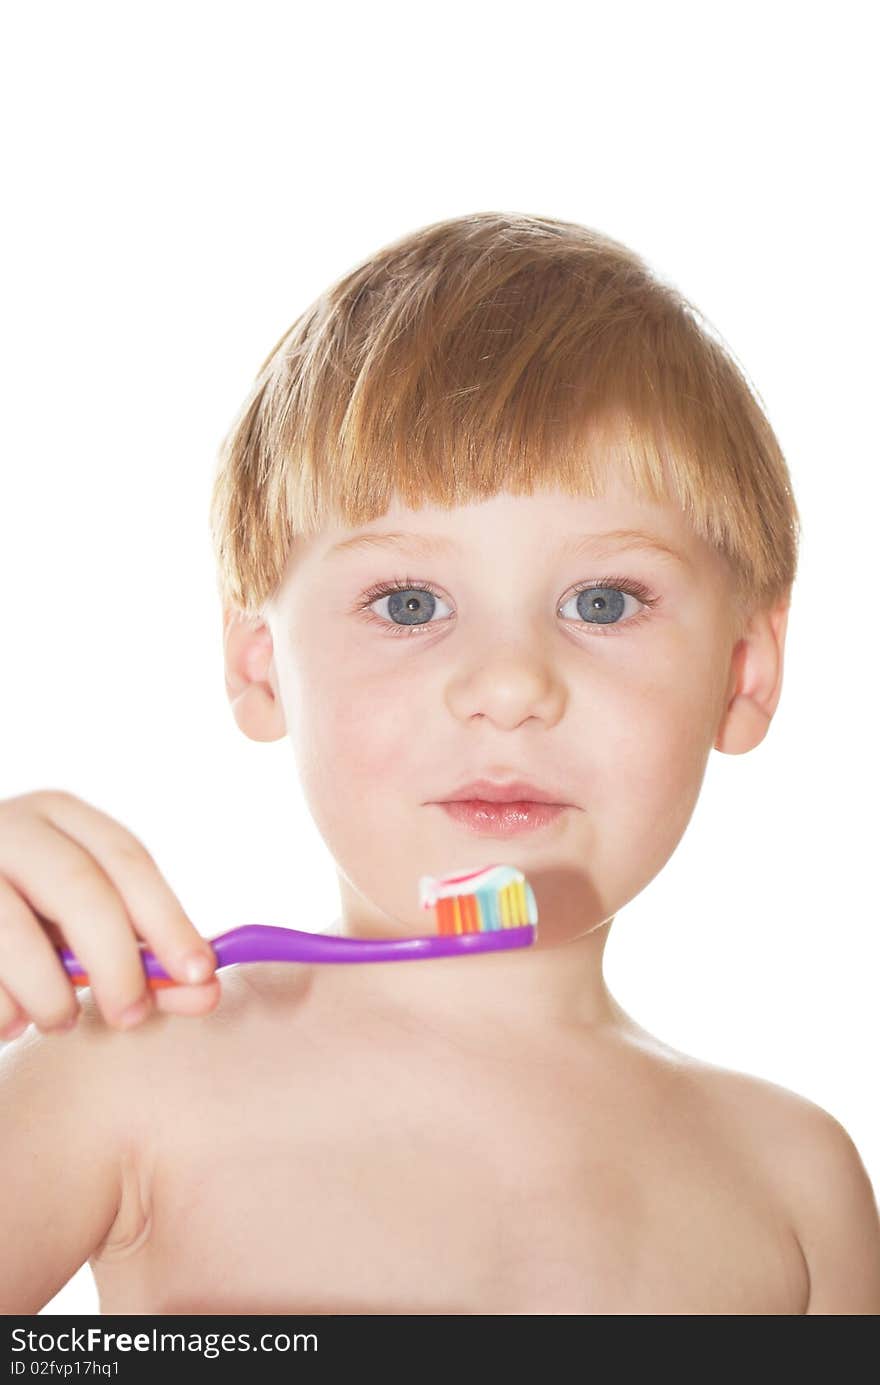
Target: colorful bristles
pixel 480 901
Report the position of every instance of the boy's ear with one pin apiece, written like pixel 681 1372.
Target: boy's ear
pixel 251 682
pixel 755 681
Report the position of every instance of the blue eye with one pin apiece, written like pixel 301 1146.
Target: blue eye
pixel 600 605
pixel 408 605
pixel 603 604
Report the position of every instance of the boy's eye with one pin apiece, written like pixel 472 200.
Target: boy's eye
pixel 410 605
pixel 599 606
pixel 604 603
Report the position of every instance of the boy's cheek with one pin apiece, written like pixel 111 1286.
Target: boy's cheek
pixel 350 734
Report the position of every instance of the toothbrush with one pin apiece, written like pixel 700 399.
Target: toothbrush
pixel 489 910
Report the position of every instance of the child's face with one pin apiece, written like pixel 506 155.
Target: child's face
pixel 495 682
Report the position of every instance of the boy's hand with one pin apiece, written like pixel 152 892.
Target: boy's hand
pixel 70 876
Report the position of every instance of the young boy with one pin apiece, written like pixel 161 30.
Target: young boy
pixel 499 508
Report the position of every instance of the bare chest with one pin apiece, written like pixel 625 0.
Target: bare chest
pixel 422 1194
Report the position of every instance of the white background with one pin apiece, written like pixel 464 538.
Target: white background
pixel 181 182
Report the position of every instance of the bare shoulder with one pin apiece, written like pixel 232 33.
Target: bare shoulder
pixel 142 1068
pixel 818 1176
pixel 168 1067
pixel 138 1088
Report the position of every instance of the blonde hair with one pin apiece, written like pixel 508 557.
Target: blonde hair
pixel 482 354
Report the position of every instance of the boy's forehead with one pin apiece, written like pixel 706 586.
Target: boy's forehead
pixel 546 519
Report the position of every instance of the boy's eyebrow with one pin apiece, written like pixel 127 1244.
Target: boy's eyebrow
pixel 575 545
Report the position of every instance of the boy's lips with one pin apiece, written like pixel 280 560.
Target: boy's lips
pixel 510 791
pixel 495 808
pixel 505 819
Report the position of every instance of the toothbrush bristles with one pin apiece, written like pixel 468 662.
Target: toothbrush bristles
pixel 484 911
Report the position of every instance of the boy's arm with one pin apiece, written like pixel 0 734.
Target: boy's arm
pixel 837 1224
pixel 59 1164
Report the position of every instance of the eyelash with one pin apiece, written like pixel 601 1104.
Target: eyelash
pixel 400 584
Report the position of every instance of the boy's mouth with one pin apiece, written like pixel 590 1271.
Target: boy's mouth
pixel 503 808
pixel 501 819
pixel 507 791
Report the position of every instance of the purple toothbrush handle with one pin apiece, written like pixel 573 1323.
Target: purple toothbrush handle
pixel 257 942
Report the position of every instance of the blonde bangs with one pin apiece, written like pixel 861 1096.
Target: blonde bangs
pixel 494 353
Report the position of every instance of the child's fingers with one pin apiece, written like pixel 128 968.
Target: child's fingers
pixel 155 910
pixel 74 892
pixel 12 1017
pixel 32 975
pixel 72 876
pixel 188 1000
pixel 173 1000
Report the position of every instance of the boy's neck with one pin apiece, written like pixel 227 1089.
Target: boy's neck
pixel 550 986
